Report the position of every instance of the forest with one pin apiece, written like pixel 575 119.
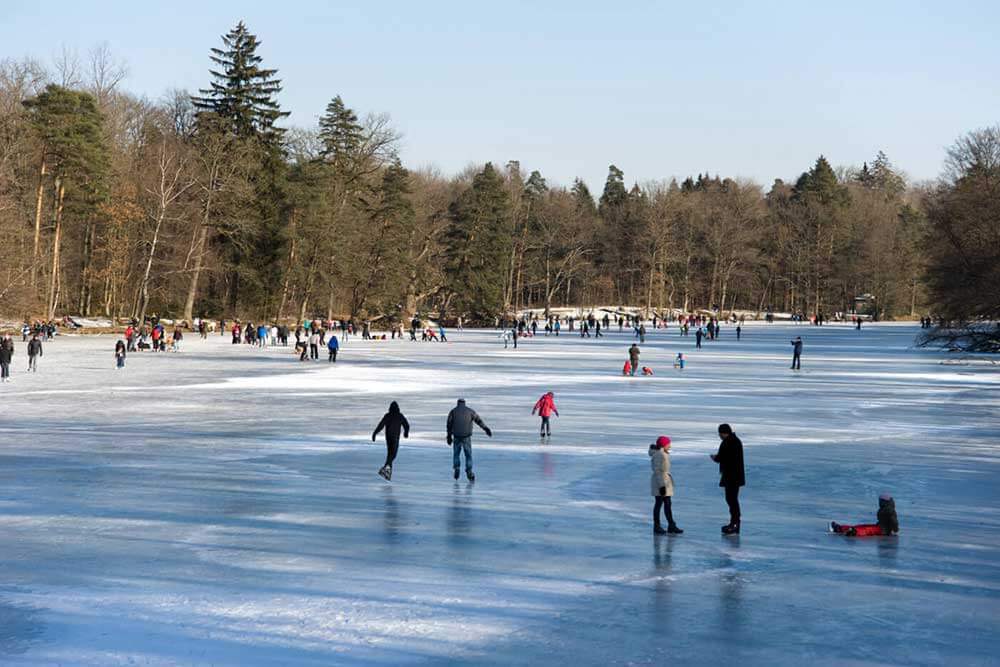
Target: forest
pixel 204 204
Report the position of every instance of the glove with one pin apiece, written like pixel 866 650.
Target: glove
pixel 663 490
pixel 373 437
pixel 489 433
pixel 448 438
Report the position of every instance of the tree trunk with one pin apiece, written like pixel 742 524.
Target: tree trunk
pixel 56 240
pixel 195 273
pixel 286 283
pixel 39 198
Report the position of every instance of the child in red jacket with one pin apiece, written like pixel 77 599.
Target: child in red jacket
pixel 888 522
pixel 545 407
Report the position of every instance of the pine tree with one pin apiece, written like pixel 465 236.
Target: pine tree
pixel 340 133
pixel 478 240
pixel 582 198
pixel 241 99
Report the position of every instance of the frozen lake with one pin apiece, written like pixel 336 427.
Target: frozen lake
pixel 221 506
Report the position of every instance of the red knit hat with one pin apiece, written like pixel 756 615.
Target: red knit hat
pixel 663 442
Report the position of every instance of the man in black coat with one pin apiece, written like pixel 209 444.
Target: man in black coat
pixel 392 422
pixel 730 460
pixel 6 355
pixel 34 351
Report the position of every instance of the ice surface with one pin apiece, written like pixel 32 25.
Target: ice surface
pixel 221 506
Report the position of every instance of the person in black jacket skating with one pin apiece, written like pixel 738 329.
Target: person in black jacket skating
pixel 459 436
pixel 732 475
pixel 392 422
pixel 6 355
pixel 34 351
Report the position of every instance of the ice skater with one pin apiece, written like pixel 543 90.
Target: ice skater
pixel 6 355
pixel 545 407
pixel 732 475
pixel 392 421
pixel 888 522
pixel 460 421
pixel 332 346
pixel 34 351
pixel 797 353
pixel 679 361
pixel 633 358
pixel 662 486
pixel 120 354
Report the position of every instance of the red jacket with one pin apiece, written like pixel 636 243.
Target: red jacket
pixel 545 406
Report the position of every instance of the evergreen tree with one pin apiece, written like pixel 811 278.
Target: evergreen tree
pixel 614 194
pixel 582 198
pixel 340 133
pixel 478 240
pixel 241 99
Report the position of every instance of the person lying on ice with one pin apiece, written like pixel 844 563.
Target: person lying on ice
pixel 888 523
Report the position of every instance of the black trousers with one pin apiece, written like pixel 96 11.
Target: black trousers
pixel 664 502
pixel 796 362
pixel 546 428
pixel 391 449
pixel 733 500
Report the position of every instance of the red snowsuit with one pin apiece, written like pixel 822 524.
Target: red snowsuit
pixel 545 406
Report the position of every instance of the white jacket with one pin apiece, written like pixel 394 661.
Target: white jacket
pixel 659 461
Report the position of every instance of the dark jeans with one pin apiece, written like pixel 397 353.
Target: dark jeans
pixel 733 500
pixel 796 362
pixel 333 355
pixel 313 351
pixel 4 370
pixel 546 428
pixel 664 502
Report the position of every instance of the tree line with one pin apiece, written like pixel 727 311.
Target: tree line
pixel 204 204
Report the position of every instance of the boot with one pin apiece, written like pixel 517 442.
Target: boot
pixel 658 530
pixel 834 527
pixel 456 473
pixel 673 529
pixel 471 475
pixel 731 529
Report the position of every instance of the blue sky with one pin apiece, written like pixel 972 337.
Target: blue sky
pixel 660 89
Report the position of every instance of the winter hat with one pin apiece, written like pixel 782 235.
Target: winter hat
pixel 885 496
pixel 663 442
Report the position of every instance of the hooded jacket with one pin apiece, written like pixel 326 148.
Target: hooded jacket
pixel 659 461
pixel 730 459
pixel 392 422
pixel 887 519
pixel 460 421
pixel 545 406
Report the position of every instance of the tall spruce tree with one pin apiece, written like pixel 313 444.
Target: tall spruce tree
pixel 241 99
pixel 478 240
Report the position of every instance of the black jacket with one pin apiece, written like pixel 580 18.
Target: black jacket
pixel 887 519
pixel 120 349
pixel 392 422
pixel 730 459
pixel 633 354
pixel 6 352
pixel 796 347
pixel 34 347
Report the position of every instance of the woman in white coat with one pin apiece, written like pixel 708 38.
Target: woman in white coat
pixel 662 486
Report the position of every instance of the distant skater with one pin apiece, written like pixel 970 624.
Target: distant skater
pixel 545 407
pixel 732 475
pixel 662 486
pixel 633 358
pixel 392 421
pixel 739 330
pixel 6 355
pixel 797 353
pixel 460 421
pixel 697 338
pixel 888 522
pixel 34 351
pixel 120 354
pixel 332 346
